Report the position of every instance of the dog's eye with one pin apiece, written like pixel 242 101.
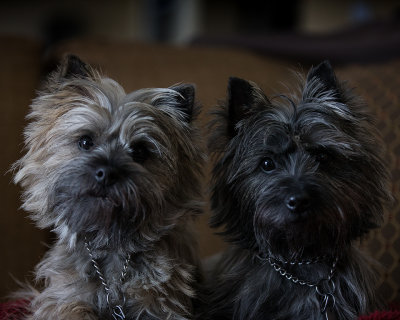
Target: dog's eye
pixel 321 156
pixel 139 152
pixel 267 164
pixel 85 143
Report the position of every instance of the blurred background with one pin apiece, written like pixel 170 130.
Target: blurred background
pixel 245 23
pixel 156 43
pixel 182 21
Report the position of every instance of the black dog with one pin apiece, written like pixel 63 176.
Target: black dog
pixel 298 178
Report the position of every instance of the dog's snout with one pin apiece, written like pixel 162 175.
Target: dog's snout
pixel 298 202
pixel 100 174
pixel 105 175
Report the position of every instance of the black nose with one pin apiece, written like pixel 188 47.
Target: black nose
pixel 298 202
pixel 105 175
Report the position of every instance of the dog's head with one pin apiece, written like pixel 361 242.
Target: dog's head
pixel 296 173
pixel 102 161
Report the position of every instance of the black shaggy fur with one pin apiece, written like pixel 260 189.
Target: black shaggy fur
pixel 297 178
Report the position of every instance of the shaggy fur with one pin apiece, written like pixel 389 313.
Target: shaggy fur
pixel 121 170
pixel 297 180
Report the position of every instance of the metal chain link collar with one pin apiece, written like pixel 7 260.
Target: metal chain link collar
pixel 326 297
pixel 116 307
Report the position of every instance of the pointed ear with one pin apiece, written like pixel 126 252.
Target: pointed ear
pixel 186 100
pixel 325 74
pixel 243 96
pixel 73 67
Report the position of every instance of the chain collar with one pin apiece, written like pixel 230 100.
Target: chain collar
pixel 324 288
pixel 115 305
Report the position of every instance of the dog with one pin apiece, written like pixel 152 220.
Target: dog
pixel 116 176
pixel 298 179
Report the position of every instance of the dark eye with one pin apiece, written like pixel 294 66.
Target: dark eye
pixel 267 164
pixel 85 143
pixel 139 152
pixel 321 156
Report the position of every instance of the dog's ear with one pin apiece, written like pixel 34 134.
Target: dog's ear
pixel 185 99
pixel 243 98
pixel 74 67
pixel 325 75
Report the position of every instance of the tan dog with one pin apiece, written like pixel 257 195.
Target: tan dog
pixel 116 176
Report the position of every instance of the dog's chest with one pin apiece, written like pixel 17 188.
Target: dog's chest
pixel 145 290
pixel 278 297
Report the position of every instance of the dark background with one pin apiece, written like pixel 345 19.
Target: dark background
pixel 138 43
pixel 182 21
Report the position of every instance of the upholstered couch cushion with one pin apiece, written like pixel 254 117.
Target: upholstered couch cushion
pixel 21 244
